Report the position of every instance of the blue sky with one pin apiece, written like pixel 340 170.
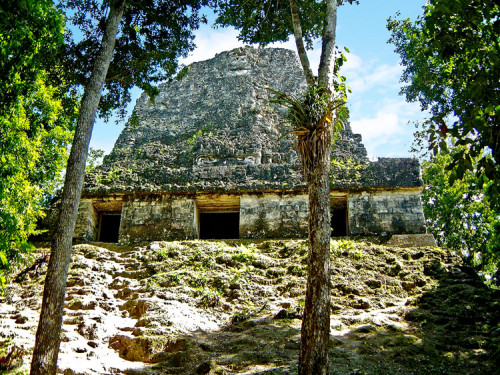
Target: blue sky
pixel 378 113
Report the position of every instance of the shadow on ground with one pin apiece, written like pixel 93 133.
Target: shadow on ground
pixel 453 328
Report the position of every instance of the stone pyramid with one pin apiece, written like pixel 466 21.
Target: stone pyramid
pixel 214 128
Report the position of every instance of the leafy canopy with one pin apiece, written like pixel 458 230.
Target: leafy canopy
pixel 459 214
pixel 36 115
pixel 152 35
pixel 265 22
pixel 452 67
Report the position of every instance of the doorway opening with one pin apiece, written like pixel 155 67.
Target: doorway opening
pixel 109 226
pixel 218 217
pixel 339 218
pixel 219 225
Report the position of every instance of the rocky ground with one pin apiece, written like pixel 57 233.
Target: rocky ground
pixel 234 307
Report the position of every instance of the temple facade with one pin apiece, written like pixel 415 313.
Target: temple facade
pixel 208 159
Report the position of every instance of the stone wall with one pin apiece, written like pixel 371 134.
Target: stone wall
pixel 385 173
pixel 263 215
pixel 273 216
pixel 386 212
pixel 158 218
pixel 87 221
pixel 175 217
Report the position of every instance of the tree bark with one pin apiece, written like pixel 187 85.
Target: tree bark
pixel 49 326
pixel 327 61
pixel 315 331
pixel 299 42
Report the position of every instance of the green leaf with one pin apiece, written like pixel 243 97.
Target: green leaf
pixel 452 177
pixel 3 259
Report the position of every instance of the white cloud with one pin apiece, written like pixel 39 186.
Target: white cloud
pixel 387 132
pixel 377 112
pixel 210 42
pixel 366 75
pixel 353 64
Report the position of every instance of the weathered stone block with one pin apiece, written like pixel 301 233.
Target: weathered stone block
pixel 398 211
pixel 87 221
pixel 273 215
pixel 165 219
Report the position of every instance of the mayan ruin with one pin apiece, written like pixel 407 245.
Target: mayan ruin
pixel 208 159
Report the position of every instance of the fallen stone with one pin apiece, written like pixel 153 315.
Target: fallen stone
pixel 22 319
pixel 412 240
pixel 365 328
pixel 92 344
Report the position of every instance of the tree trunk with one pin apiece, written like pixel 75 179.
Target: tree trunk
pixel 48 336
pixel 327 60
pixel 315 331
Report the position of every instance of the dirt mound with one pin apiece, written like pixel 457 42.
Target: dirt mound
pixel 235 307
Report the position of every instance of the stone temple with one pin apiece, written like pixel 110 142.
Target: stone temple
pixel 208 159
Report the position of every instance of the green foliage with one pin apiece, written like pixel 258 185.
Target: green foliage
pixel 348 248
pixel 210 299
pixel 459 214
pixel 31 34
pixel 241 316
pixel 134 121
pixel 244 254
pixel 152 36
pixel 36 116
pixel 94 159
pixel 205 131
pixel 266 22
pixel 173 278
pixel 452 63
pixel 347 169
pixel 314 117
pixel 182 73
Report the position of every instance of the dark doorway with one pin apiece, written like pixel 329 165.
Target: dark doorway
pixel 339 221
pixel 219 225
pixel 109 227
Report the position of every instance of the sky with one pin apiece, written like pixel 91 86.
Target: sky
pixel 377 111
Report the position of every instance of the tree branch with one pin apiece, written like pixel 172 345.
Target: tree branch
pixel 299 42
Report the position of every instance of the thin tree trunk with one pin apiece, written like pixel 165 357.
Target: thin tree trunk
pixel 48 336
pixel 327 61
pixel 315 331
pixel 299 42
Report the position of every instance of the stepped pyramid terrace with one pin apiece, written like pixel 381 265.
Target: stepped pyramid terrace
pixel 207 159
